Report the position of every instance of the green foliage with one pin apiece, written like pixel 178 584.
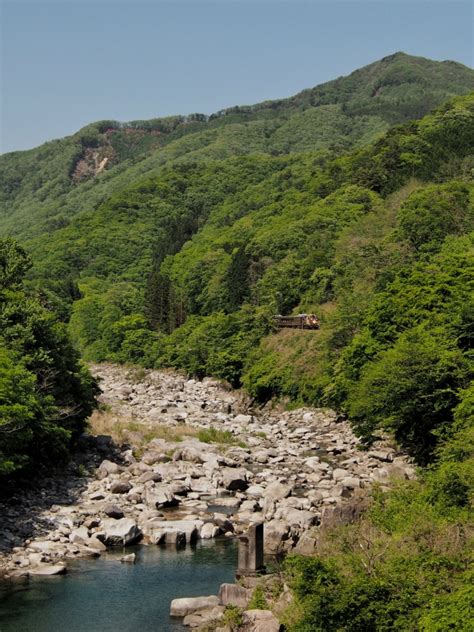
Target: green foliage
pixel 45 393
pixel 20 412
pixel 404 566
pixel 213 435
pixel 14 263
pixel 431 214
pixel 232 616
pixel 452 611
pixel 410 389
pixel 258 600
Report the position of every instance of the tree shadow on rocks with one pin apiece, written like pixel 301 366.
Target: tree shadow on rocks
pixel 28 504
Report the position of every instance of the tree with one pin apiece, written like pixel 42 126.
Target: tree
pixel 411 389
pixel 46 394
pixel 14 263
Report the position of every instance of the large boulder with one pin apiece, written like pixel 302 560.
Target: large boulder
pixel 203 619
pixel 189 605
pixel 235 478
pixel 79 536
pixel 276 534
pixel 301 518
pixel 150 475
pixel 161 497
pixel 235 595
pixel 106 468
pixel 120 487
pixel 167 531
pixel 112 511
pixel 277 491
pixel 209 530
pixel 259 621
pixel 153 456
pixel 48 569
pixel 119 532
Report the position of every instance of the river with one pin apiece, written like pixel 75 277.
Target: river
pixel 105 595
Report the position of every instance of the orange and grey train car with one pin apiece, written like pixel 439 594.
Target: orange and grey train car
pixel 300 321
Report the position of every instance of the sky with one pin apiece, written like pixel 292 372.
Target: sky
pixel 67 63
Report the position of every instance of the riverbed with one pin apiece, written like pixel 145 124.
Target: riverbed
pixel 107 595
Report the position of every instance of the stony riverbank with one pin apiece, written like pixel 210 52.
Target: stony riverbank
pixel 191 460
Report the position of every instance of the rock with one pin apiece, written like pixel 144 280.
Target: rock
pixel 249 505
pixel 313 463
pixel 150 475
pixel 233 594
pixel 152 457
pixel 79 536
pixel 306 545
pixel 277 491
pixel 96 544
pixel 234 478
pixel 120 532
pixel 338 474
pixel 260 621
pixel 48 569
pixel 47 547
pixel 189 605
pixel 382 455
pixel 97 496
pixel 165 531
pixel 106 468
pixel 112 511
pixel 231 503
pixel 179 489
pixel 120 487
pixel 255 490
pixel 345 513
pixel 304 519
pixel 209 530
pixel 162 497
pixel 351 482
pixel 276 533
pixel 174 537
pixel 129 559
pixel 203 618
pixel 243 419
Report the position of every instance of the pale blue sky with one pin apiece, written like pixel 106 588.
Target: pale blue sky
pixel 66 63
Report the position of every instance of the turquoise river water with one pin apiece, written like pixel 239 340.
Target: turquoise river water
pixel 104 595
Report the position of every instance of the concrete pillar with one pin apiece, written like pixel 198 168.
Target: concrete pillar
pixel 250 559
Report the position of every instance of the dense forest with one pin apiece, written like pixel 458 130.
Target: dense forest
pixel 174 242
pixel 46 394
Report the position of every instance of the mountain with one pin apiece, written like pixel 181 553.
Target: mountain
pixel 186 264
pixel 42 189
pixel 174 243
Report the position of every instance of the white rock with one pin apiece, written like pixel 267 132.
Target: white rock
pixel 189 605
pixel 119 532
pixel 48 569
pixel 209 530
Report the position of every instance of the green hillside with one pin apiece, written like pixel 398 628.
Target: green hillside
pixel 186 268
pixel 42 189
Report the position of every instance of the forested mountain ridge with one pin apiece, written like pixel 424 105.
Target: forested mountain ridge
pixel 43 188
pixel 187 268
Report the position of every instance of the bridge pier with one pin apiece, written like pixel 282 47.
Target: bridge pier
pixel 250 559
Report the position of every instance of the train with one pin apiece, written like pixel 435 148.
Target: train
pixel 300 321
